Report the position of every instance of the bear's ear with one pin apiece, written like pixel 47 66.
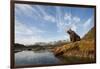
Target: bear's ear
pixel 70 29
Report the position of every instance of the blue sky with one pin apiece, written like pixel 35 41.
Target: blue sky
pixel 40 23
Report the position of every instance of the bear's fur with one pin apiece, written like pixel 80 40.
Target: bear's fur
pixel 73 36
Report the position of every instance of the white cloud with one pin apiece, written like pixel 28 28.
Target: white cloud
pixel 76 19
pixel 21 28
pixel 59 18
pixel 34 39
pixel 68 21
pixel 87 25
pixel 28 40
pixel 49 18
pixel 27 10
pixel 41 9
pixel 74 28
pixel 63 23
pixel 33 11
pixel 27 35
pixel 88 22
pixel 45 15
pixel 67 16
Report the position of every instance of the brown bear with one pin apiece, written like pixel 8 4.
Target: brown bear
pixel 73 36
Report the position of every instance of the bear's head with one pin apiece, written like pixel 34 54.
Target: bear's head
pixel 69 31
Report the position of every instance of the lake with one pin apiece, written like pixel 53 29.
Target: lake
pixel 43 57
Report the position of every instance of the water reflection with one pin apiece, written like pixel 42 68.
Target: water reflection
pixel 35 58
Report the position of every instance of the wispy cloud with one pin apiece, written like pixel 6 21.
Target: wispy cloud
pixel 41 9
pixel 59 20
pixel 36 23
pixel 27 35
pixel 27 10
pixel 45 15
pixel 86 26
pixel 68 21
pixel 21 28
pixel 88 22
pixel 49 18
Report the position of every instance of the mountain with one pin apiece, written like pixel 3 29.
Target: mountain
pixel 17 45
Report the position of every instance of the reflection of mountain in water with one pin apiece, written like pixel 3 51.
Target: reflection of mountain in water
pixel 35 58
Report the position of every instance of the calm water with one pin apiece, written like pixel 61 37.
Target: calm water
pixel 35 58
